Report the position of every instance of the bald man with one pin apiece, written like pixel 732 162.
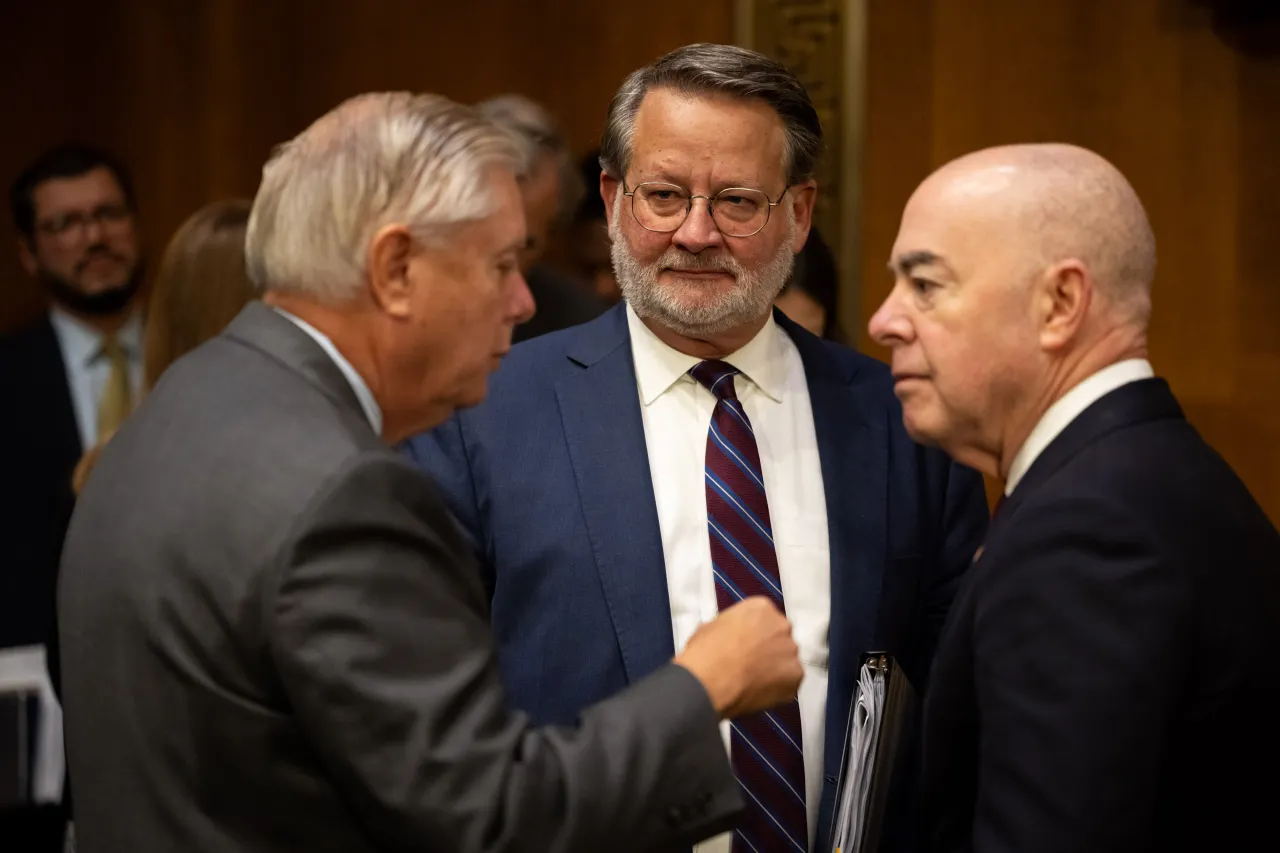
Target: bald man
pixel 1109 676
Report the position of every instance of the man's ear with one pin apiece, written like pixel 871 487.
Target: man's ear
pixel 390 285
pixel 1064 294
pixel 802 198
pixel 609 188
pixel 27 256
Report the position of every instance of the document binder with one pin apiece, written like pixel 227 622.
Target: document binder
pixel 880 720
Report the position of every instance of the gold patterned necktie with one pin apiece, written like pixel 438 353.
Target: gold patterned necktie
pixel 117 397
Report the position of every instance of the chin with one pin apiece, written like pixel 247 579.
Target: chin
pixel 697 290
pixel 922 428
pixel 94 286
pixel 701 296
pixel 472 395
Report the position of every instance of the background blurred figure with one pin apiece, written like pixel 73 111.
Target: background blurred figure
pixel 200 286
pixel 65 379
pixel 551 189
pixel 810 297
pixel 589 243
pixel 1108 680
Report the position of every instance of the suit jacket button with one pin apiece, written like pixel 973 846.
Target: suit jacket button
pixel 675 816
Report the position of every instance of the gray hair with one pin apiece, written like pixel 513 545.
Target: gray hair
pixel 537 134
pixel 374 160
pixel 725 70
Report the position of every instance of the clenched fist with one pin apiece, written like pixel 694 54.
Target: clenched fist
pixel 745 658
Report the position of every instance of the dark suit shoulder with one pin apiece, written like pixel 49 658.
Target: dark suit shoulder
pixel 33 342
pixel 318 433
pixel 1152 490
pixel 534 367
pixel 27 334
pixel 826 359
pixel 42 436
pixel 1163 473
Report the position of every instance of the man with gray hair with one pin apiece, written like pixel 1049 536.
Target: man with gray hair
pixel 630 478
pixel 273 635
pixel 1109 678
pixel 551 188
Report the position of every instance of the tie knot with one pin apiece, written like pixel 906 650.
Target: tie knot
pixel 111 348
pixel 716 377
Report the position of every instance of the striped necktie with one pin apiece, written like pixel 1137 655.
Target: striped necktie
pixel 766 748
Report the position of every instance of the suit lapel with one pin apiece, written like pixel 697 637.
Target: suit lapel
pixel 264 329
pixel 852 446
pixel 600 410
pixel 855 480
pixel 49 359
pixel 1132 403
pixel 852 436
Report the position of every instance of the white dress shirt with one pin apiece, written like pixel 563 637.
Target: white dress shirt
pixel 88 367
pixel 1069 407
pixel 361 388
pixel 676 411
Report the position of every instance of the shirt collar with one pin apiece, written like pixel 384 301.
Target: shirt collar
pixel 82 344
pixel 1069 407
pixel 361 388
pixel 659 366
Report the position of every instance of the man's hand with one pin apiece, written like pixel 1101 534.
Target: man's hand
pixel 745 658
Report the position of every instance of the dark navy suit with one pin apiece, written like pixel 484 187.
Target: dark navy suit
pixel 1109 681
pixel 550 477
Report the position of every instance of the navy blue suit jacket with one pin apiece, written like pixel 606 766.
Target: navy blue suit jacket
pixel 550 476
pixel 1108 681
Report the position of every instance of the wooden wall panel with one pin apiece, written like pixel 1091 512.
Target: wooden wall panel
pixel 194 94
pixel 1148 84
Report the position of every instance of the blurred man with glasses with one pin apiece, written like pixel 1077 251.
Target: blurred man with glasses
pixel 66 380
pixel 629 478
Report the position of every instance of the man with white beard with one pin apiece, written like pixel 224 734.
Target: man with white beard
pixel 629 478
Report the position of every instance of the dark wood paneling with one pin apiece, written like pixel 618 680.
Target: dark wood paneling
pixel 194 94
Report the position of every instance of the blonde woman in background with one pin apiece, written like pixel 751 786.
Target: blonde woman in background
pixel 200 287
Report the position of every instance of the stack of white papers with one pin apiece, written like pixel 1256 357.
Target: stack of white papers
pixel 868 714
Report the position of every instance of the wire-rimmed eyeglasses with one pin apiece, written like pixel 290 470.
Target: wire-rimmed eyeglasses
pixel 737 211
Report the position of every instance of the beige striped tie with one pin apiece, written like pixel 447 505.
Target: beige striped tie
pixel 117 398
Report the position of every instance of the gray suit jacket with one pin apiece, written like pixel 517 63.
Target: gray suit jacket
pixel 274 638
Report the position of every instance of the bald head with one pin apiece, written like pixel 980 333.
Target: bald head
pixel 1019 271
pixel 1052 203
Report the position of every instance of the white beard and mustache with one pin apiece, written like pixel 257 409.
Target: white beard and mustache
pixel 750 298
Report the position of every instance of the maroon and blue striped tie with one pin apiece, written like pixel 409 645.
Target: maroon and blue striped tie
pixel 766 748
